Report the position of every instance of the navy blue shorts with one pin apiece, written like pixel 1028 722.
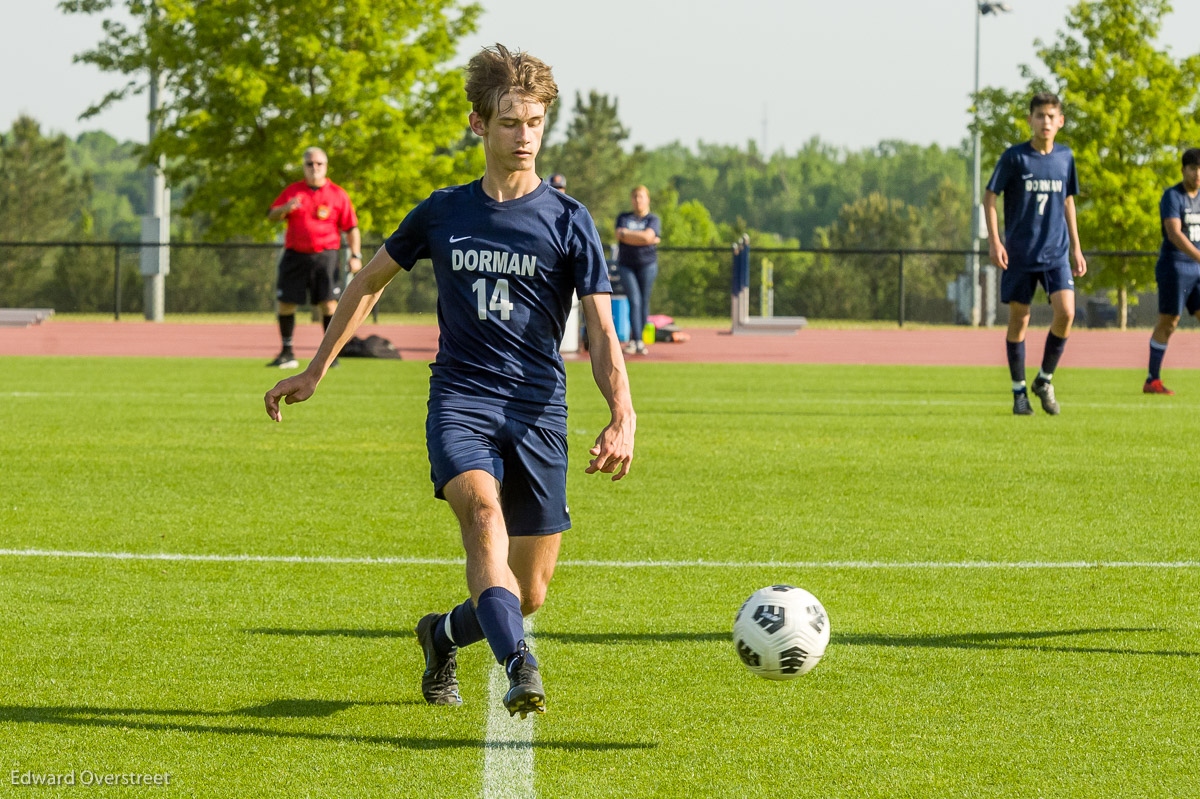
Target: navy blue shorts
pixel 1019 285
pixel 1178 287
pixel 528 461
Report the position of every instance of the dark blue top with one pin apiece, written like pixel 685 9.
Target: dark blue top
pixel 505 272
pixel 636 255
pixel 1035 188
pixel 1176 204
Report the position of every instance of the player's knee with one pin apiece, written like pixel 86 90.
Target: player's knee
pixel 532 598
pixel 481 526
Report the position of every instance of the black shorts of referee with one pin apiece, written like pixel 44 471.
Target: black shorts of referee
pixel 308 276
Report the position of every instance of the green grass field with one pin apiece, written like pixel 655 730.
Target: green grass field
pixel 972 654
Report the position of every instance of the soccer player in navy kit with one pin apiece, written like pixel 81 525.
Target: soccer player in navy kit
pixel 1041 243
pixel 507 252
pixel 1178 267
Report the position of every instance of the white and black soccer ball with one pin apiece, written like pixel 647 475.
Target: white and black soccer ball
pixel 781 632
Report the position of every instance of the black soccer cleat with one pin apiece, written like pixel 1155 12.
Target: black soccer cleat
pixel 1045 392
pixel 284 360
pixel 1021 406
pixel 525 693
pixel 439 683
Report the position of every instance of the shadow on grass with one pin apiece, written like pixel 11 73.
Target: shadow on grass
pixel 1013 640
pixel 572 638
pixel 103 717
pixel 332 633
pixel 996 640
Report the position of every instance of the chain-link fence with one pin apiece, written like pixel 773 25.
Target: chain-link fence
pixel 103 277
pixel 864 285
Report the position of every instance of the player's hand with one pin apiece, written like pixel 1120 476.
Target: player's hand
pixel 292 205
pixel 997 254
pixel 1078 264
pixel 613 450
pixel 296 388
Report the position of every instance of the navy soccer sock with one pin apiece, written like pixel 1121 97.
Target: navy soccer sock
pixel 499 615
pixel 325 322
pixel 1157 351
pixel 460 627
pixel 1016 363
pixel 1053 351
pixel 287 326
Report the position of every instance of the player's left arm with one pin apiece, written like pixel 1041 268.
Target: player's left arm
pixel 613 450
pixel 1078 262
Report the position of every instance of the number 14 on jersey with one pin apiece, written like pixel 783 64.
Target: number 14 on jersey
pixel 499 301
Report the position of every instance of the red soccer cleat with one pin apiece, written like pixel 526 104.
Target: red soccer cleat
pixel 1155 387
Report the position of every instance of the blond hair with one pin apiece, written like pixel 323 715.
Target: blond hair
pixel 495 71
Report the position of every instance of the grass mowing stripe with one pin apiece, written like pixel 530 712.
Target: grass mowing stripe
pixel 508 743
pixel 624 564
pixel 714 407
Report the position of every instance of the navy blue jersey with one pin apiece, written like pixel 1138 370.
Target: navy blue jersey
pixel 1035 188
pixel 505 272
pixel 635 255
pixel 1176 204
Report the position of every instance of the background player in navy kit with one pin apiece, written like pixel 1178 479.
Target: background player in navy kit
pixel 507 252
pixel 638 233
pixel 1039 184
pixel 1178 267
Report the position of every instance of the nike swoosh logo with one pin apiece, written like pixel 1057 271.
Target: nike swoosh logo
pixel 1027 177
pixel 455 240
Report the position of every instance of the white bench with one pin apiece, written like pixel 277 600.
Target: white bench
pixel 24 317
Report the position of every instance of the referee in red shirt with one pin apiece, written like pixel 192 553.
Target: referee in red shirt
pixel 317 211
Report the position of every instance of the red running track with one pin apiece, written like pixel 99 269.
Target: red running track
pixel 949 346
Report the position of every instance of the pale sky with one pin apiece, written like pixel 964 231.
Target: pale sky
pixel 851 73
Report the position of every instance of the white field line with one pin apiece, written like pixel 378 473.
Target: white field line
pixel 508 742
pixel 621 564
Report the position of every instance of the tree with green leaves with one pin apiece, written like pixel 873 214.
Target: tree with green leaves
pixel 44 199
pixel 118 184
pixel 251 83
pixel 865 286
pixel 1131 108
pixel 794 194
pixel 600 174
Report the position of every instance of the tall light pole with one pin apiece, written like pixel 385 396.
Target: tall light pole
pixel 982 7
pixel 156 223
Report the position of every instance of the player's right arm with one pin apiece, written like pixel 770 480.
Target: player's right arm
pixel 1173 225
pixel 356 302
pixel 997 254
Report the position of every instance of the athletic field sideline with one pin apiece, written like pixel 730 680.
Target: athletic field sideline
pixel 192 592
pixel 916 346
